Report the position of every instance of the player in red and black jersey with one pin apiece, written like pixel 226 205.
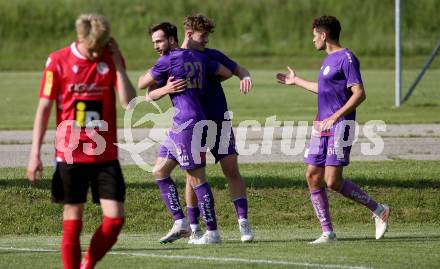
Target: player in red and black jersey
pixel 82 79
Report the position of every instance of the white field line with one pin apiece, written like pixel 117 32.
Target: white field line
pixel 203 258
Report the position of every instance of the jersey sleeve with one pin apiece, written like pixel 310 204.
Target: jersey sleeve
pixel 212 67
pixel 223 59
pixel 351 70
pixel 160 71
pixel 50 82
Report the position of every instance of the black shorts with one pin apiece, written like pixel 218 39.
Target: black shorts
pixel 223 146
pixel 70 182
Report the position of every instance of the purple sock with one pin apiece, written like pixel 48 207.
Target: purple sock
pixel 241 207
pixel 193 214
pixel 352 191
pixel 206 205
pixel 320 204
pixel 170 197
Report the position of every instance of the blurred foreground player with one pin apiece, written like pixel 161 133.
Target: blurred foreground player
pixel 82 79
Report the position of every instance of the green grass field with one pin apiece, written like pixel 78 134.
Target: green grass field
pixel 20 90
pixel 263 36
pixel 280 213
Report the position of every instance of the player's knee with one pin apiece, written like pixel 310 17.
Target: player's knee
pixel 159 173
pixel 72 212
pixel 313 180
pixel 195 181
pixel 333 183
pixel 311 176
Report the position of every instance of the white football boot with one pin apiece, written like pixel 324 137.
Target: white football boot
pixel 195 235
pixel 325 239
pixel 381 221
pixel 180 229
pixel 245 231
pixel 210 237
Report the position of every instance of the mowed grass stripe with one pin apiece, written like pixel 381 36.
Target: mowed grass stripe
pixel 405 246
pixel 277 190
pixel 203 258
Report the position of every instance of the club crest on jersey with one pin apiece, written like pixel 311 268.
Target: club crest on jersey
pixel 102 68
pixel 326 70
pixel 75 69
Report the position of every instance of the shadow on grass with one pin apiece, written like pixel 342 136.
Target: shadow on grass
pixel 164 248
pixel 258 182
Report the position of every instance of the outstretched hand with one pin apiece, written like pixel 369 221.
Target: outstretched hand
pixel 245 85
pixel 288 78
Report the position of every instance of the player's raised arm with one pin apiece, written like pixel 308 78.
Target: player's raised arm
pixel 245 79
pixel 291 78
pixel 40 126
pixel 125 87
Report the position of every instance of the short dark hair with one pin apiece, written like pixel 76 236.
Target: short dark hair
pixel 169 29
pixel 328 24
pixel 198 23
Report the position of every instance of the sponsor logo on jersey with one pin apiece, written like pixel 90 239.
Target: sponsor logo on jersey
pixel 88 114
pixel 85 88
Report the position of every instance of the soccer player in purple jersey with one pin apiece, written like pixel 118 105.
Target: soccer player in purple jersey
pixel 193 67
pixel 340 90
pixel 197 30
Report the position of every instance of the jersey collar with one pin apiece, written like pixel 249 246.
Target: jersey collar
pixel 76 52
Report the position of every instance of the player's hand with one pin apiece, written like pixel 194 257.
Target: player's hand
pixel 327 124
pixel 245 85
pixel 34 169
pixel 115 52
pixel 288 78
pixel 175 86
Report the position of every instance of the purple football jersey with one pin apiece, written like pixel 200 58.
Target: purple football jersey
pixel 339 71
pixel 192 66
pixel 214 100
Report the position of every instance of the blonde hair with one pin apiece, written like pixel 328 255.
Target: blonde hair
pixel 94 29
pixel 198 23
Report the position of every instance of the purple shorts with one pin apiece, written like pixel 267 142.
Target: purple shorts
pixel 179 147
pixel 321 151
pixel 224 143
